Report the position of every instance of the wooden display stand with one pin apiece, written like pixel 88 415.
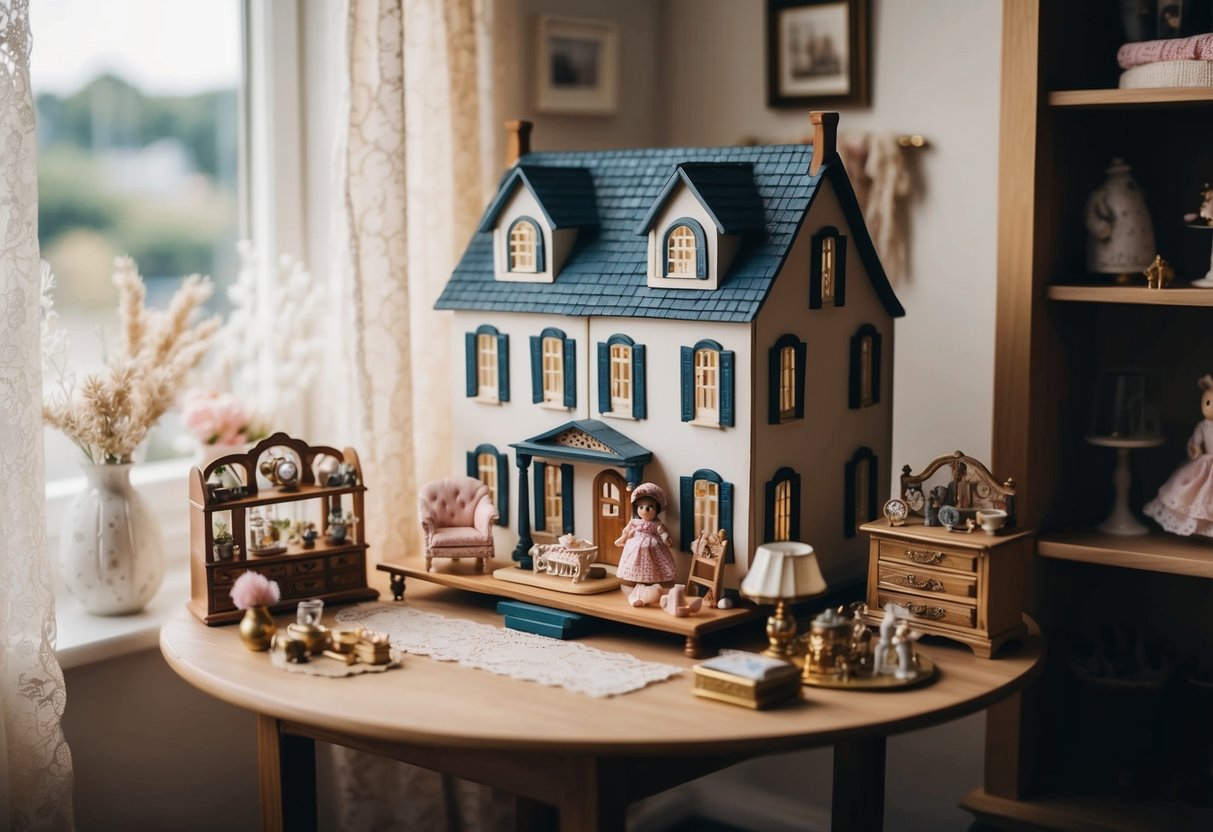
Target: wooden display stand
pixel 966 587
pixel 335 573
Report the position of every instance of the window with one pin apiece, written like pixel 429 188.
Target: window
pixel 488 365
pixel 865 367
pixel 621 377
pixel 860 488
pixel 707 384
pixel 553 369
pixel 136 155
pixel 553 498
pixel 492 469
pixel 827 274
pixel 684 250
pixel 782 509
pixel 525 247
pixel 711 501
pixel 786 379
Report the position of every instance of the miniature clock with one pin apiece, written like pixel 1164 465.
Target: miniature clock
pixel 282 472
pixel 896 511
pixel 949 516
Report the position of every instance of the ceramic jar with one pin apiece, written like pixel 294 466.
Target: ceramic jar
pixel 1120 237
pixel 111 556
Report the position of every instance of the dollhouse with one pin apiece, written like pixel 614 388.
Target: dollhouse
pixel 713 320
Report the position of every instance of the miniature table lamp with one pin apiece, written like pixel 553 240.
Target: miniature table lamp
pixel 781 573
pixel 1124 417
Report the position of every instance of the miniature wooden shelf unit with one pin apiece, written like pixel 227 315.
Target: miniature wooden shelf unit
pixel 333 572
pixel 1096 751
pixel 966 587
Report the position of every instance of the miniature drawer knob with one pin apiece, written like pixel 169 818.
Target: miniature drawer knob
pixel 919 556
pixel 923 611
pixel 929 584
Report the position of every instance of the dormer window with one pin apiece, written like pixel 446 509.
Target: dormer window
pixel 525 246
pixel 686 250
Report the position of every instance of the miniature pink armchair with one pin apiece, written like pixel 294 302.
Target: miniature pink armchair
pixel 457 516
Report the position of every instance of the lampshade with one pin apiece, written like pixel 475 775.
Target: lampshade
pixel 787 570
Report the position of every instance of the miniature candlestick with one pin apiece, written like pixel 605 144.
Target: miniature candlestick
pixel 1121 520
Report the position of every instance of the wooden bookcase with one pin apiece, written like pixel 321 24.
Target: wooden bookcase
pixel 1077 751
pixel 333 572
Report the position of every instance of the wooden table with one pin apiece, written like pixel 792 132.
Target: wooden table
pixel 500 731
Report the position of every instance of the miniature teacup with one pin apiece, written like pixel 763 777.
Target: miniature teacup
pixel 991 519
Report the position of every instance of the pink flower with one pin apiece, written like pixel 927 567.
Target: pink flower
pixel 253 589
pixel 217 418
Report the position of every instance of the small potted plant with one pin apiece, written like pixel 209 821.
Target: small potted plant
pixel 225 546
pixel 339 522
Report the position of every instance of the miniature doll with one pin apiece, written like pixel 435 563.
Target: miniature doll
pixel 646 562
pixel 1184 504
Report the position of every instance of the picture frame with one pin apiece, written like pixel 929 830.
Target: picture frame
pixel 817 53
pixel 576 66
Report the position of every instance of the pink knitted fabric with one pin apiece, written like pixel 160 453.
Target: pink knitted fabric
pixel 646 559
pixel 1195 48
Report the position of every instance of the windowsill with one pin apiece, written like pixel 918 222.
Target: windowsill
pixel 487 400
pixel 705 423
pixel 624 416
pixel 546 405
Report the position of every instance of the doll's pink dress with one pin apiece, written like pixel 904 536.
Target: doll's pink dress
pixel 645 559
pixel 1184 504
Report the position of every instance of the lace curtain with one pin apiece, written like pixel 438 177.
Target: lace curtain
pixel 36 779
pixel 419 156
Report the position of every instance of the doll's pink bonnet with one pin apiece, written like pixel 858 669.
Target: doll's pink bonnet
pixel 650 490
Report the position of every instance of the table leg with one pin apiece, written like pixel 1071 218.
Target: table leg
pixel 597 801
pixel 858 802
pixel 285 758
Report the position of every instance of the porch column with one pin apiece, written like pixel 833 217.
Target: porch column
pixel 635 474
pixel 522 552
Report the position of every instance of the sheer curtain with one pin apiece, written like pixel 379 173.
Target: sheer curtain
pixel 420 156
pixel 36 779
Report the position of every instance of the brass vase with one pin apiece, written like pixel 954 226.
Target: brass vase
pixel 257 628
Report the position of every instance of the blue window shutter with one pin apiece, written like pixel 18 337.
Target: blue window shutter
pixel 503 490
pixel 503 368
pixel 469 345
pixel 726 518
pixel 815 273
pixel 794 520
pixel 686 512
pixel 570 372
pixel 566 497
pixel 604 377
pixel 539 248
pixel 688 384
pixel 473 467
pixel 640 406
pixel 701 252
pixel 876 367
pixel 840 271
pixel 536 369
pixel 854 374
pixel 727 417
pixel 768 512
pixel 540 479
pixel 774 381
pixel 801 357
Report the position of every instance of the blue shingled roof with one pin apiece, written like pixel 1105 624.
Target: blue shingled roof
pixel 725 189
pixel 565 195
pixel 624 451
pixel 605 275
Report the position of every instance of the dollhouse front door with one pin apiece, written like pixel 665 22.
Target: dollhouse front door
pixel 610 515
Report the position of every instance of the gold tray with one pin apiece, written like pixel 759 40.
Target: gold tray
pixel 926 672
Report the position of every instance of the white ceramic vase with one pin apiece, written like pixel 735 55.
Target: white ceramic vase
pixel 111 556
pixel 1120 237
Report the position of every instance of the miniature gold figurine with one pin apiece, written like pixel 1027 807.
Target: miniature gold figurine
pixel 1159 274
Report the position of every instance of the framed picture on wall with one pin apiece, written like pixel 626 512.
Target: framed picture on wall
pixel 817 52
pixel 577 66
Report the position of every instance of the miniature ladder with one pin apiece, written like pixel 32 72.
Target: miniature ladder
pixel 707 565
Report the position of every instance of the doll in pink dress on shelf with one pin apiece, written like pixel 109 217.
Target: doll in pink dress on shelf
pixel 1184 504
pixel 647 562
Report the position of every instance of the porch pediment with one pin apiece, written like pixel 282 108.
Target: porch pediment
pixel 586 440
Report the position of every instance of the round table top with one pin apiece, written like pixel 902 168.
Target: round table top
pixel 444 705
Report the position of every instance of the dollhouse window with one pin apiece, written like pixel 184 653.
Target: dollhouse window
pixel 525 253
pixel 782 509
pixel 707 384
pixel 553 369
pixel 711 501
pixel 488 365
pixel 685 248
pixel 553 498
pixel 827 276
pixel 621 377
pixel 492 469
pixel 786 379
pixel 865 367
pixel 861 491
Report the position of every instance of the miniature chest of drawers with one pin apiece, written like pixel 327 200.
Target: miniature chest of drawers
pixel 966 587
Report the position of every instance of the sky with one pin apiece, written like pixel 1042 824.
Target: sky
pixel 161 46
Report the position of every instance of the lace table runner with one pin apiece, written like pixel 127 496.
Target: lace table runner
pixel 567 664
